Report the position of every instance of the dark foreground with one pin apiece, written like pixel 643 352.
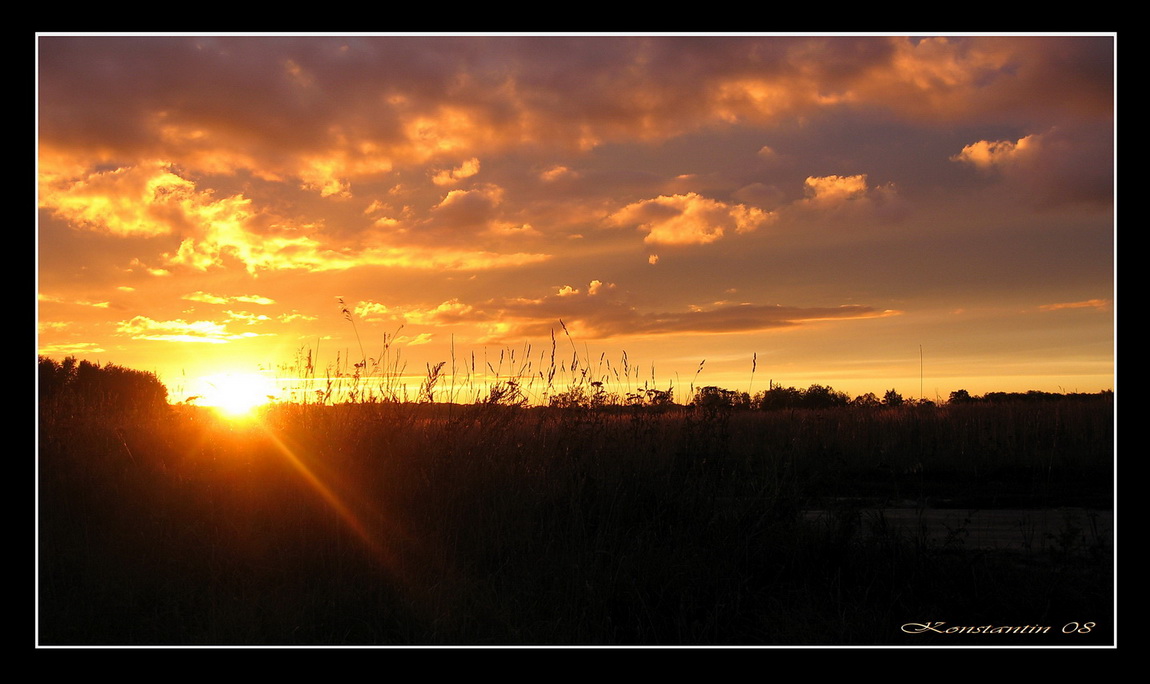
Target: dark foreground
pixel 392 524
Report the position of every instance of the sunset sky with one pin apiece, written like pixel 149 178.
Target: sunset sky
pixel 818 208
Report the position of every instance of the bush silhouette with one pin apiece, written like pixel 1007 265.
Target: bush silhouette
pixel 85 384
pixel 778 398
pixel 814 397
pixel 960 397
pixel 712 397
pixel 820 397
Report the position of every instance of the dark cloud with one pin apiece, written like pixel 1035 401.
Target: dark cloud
pixel 594 313
pixel 727 319
pixel 301 95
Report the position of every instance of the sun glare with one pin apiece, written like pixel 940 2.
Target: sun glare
pixel 235 394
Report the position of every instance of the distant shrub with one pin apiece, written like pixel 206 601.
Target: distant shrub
pixel 716 397
pixel 778 398
pixel 87 384
pixel 820 397
pixel 868 400
pixel 960 397
pixel 814 397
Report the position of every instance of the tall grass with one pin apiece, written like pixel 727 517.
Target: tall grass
pixel 533 377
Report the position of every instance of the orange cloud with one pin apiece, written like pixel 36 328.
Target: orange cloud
pixel 206 298
pixel 78 302
pixel 145 200
pixel 986 154
pixel 443 129
pixel 688 219
pixel 1062 165
pixel 465 170
pixel 765 98
pixel 246 317
pixel 557 172
pixel 936 77
pixel 461 208
pixel 151 200
pixel 293 317
pixel 431 258
pixel 846 193
pixel 1100 304
pixel 835 189
pixel 208 332
pixel 70 349
pixel 52 326
pixel 218 299
pixel 448 313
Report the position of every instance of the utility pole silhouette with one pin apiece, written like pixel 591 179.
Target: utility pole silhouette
pixel 920 372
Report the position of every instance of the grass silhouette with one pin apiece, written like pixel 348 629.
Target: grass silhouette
pixel 581 522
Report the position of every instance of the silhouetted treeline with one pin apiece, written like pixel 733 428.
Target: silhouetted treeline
pixel 825 397
pixel 964 397
pixel 787 398
pixel 87 384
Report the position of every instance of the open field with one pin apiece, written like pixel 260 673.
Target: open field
pixel 483 524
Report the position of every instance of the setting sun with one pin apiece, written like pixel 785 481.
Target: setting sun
pixel 233 394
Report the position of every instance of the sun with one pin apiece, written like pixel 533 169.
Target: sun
pixel 234 394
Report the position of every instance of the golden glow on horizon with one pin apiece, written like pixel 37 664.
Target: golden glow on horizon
pixel 235 395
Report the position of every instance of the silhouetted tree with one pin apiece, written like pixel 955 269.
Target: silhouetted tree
pixel 820 397
pixel 711 397
pixel 55 376
pixel 88 385
pixel 778 398
pixel 892 398
pixel 960 397
pixel 814 397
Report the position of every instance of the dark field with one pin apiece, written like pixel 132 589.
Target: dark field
pixel 421 524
